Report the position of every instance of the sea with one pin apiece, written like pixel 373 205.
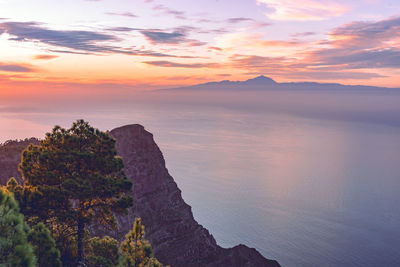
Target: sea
pixel 307 178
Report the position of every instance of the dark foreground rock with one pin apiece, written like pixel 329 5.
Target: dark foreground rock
pixel 177 239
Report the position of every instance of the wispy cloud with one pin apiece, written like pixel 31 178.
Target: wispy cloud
pixel 77 40
pixel 45 57
pixel 367 59
pixel 366 34
pixel 298 69
pixel 157 37
pixel 151 53
pixel 12 67
pixel 177 36
pixel 214 48
pixel 121 29
pixel 362 45
pixel 357 50
pixel 168 11
pixel 252 42
pixel 238 20
pixel 303 34
pixel 170 64
pixel 81 42
pixel 306 10
pixel 123 14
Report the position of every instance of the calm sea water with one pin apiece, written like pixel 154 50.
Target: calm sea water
pixel 306 191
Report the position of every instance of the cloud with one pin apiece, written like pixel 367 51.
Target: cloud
pixel 124 14
pixel 253 62
pixel 45 57
pixel 156 37
pixel 121 29
pixel 303 34
pixel 360 45
pixel 333 75
pixel 238 20
pixel 151 53
pixel 224 75
pixel 366 34
pixel 15 67
pixel 217 31
pixel 68 52
pixel 254 42
pixel 78 42
pixel 363 59
pixel 177 36
pixel 170 64
pixel 168 11
pixel 214 48
pixel 296 69
pixel 260 24
pixel 356 50
pixel 306 10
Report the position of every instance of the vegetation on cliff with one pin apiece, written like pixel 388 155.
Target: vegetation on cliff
pixel 15 250
pixel 135 250
pixel 70 179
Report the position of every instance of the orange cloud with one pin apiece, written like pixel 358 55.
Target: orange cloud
pixel 44 57
pixel 171 64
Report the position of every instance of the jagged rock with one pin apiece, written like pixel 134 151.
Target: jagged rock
pixel 177 239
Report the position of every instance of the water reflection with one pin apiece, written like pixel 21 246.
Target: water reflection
pixel 304 191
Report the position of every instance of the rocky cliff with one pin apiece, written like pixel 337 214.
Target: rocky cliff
pixel 177 239
pixel 10 157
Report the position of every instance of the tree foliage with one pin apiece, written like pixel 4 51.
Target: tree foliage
pixel 44 246
pixel 14 247
pixel 73 176
pixel 102 252
pixel 135 250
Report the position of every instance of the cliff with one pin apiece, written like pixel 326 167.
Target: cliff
pixel 177 239
pixel 10 157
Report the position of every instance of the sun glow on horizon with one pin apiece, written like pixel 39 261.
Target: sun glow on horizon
pixel 156 44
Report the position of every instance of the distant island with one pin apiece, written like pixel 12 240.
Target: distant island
pixel 265 83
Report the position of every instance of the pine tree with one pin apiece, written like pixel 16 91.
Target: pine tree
pixel 135 250
pixel 75 175
pixel 14 247
pixel 102 252
pixel 11 184
pixel 44 246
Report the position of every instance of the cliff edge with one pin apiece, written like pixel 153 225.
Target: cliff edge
pixel 177 239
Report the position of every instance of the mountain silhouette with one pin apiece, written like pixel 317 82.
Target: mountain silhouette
pixel 266 83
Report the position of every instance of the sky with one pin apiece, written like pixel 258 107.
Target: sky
pixel 108 47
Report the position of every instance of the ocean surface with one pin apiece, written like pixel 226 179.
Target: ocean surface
pixel 305 188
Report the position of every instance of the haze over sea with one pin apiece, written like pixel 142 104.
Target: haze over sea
pixel 304 169
pixel 309 178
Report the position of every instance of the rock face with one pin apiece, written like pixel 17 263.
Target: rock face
pixel 177 239
pixel 10 157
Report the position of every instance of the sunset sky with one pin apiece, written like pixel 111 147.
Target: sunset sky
pixel 147 44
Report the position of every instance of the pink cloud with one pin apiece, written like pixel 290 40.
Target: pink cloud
pixel 45 57
pixel 166 10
